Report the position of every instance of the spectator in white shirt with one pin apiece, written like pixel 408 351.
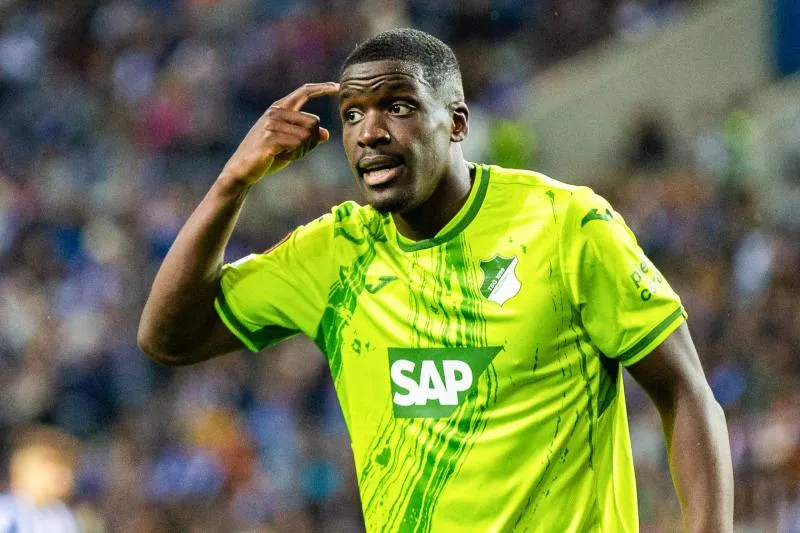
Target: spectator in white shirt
pixel 41 478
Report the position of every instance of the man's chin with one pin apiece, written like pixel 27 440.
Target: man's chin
pixel 393 204
pixel 385 207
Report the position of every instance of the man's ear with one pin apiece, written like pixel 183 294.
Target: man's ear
pixel 460 115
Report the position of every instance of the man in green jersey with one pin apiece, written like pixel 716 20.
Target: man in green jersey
pixel 475 319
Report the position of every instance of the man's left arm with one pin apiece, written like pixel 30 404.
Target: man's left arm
pixel 695 432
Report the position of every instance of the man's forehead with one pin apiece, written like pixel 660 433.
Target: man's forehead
pixel 390 70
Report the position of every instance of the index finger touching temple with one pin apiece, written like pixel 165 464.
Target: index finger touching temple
pixel 298 98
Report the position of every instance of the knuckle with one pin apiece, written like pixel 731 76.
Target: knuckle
pixel 311 120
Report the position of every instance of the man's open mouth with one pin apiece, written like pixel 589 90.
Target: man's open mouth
pixel 379 169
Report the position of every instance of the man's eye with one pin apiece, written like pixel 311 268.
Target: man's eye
pixel 401 109
pixel 351 116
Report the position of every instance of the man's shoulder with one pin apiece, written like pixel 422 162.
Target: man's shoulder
pixel 526 178
pixel 561 195
pixel 523 181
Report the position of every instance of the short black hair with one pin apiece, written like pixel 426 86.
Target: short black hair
pixel 439 64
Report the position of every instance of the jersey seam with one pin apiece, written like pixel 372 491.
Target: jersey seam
pixel 561 265
pixel 565 287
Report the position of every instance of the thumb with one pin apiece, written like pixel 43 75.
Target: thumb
pixel 324 135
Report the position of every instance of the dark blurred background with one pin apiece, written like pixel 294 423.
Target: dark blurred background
pixel 115 117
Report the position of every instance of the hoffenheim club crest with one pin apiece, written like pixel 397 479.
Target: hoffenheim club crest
pixel 500 283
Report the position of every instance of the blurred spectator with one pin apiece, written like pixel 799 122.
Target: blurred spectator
pixel 41 478
pixel 650 143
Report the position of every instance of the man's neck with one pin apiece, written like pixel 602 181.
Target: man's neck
pixel 425 221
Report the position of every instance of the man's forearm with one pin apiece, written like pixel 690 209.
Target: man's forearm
pixel 179 308
pixel 700 460
pixel 179 324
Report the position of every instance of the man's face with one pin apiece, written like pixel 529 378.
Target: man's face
pixel 397 133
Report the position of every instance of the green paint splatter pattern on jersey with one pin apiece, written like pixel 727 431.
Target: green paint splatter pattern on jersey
pixel 441 445
pixel 344 293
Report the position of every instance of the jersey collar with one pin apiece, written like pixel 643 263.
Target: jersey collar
pixel 457 224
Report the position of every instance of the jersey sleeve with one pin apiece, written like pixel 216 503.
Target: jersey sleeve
pixel 625 304
pixel 267 297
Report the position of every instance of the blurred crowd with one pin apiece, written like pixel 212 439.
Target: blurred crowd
pixel 737 268
pixel 115 118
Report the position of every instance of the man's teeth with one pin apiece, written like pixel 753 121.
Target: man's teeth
pixel 378 169
pixel 379 176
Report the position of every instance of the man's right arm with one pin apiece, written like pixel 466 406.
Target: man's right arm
pixel 179 325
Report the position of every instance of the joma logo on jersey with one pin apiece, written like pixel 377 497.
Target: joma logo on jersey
pixel 433 382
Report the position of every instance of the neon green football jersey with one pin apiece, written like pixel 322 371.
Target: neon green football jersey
pixel 479 372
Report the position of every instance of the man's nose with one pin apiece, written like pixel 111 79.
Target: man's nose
pixel 373 130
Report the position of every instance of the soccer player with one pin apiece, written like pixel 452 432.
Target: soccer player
pixel 41 476
pixel 475 319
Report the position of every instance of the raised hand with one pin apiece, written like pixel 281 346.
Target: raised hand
pixel 281 135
